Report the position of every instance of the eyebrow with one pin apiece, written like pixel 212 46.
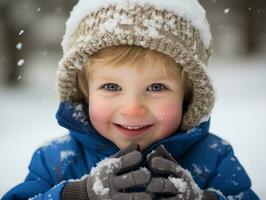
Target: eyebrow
pixel 107 78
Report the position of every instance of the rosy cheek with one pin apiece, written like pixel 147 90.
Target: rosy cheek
pixel 169 116
pixel 98 113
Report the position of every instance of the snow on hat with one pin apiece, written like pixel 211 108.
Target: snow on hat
pixel 177 28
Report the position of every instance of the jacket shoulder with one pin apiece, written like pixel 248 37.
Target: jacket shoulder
pixel 213 164
pixel 60 157
pixel 203 158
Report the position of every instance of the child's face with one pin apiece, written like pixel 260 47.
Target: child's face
pixel 124 96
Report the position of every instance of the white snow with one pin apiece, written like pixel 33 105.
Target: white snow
pixel 189 9
pixel 107 166
pixel 98 187
pixel 194 186
pixel 19 46
pixel 197 169
pixel 65 154
pixel 226 11
pixel 56 140
pixel 20 62
pixel 21 32
pixel 213 146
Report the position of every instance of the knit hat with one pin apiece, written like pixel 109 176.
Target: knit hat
pixel 177 28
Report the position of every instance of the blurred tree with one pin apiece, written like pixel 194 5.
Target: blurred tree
pixel 22 15
pixel 254 14
pixel 10 41
pixel 247 15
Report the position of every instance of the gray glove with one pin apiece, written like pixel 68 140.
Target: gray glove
pixel 173 182
pixel 113 178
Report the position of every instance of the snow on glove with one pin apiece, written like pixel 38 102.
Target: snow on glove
pixel 172 182
pixel 111 178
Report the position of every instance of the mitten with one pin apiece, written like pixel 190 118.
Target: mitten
pixel 113 178
pixel 172 182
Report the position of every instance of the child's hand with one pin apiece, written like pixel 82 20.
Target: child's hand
pixel 173 181
pixel 114 175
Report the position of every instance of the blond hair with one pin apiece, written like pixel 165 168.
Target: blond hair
pixel 133 55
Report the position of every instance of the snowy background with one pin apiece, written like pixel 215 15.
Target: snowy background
pixel 28 105
pixel 27 117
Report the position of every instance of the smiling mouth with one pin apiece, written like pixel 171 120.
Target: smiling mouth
pixel 131 127
pixel 132 130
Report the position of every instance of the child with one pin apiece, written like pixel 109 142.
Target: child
pixel 133 78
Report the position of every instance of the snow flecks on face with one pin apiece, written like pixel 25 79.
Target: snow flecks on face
pixel 66 154
pixel 179 183
pixel 197 169
pixel 161 116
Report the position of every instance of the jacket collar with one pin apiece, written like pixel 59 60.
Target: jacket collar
pixel 74 116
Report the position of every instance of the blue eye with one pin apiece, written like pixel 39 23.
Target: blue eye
pixel 156 87
pixel 111 87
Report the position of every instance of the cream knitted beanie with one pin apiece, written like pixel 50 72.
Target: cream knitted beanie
pixel 178 28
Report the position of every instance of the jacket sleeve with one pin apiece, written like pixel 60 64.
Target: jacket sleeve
pixel 38 184
pixel 230 180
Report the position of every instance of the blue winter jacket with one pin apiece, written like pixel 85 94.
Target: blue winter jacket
pixel 210 159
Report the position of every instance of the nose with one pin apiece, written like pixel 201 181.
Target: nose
pixel 133 108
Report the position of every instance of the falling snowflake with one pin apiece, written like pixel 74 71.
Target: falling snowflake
pixel 21 32
pixel 19 46
pixel 226 11
pixel 20 62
